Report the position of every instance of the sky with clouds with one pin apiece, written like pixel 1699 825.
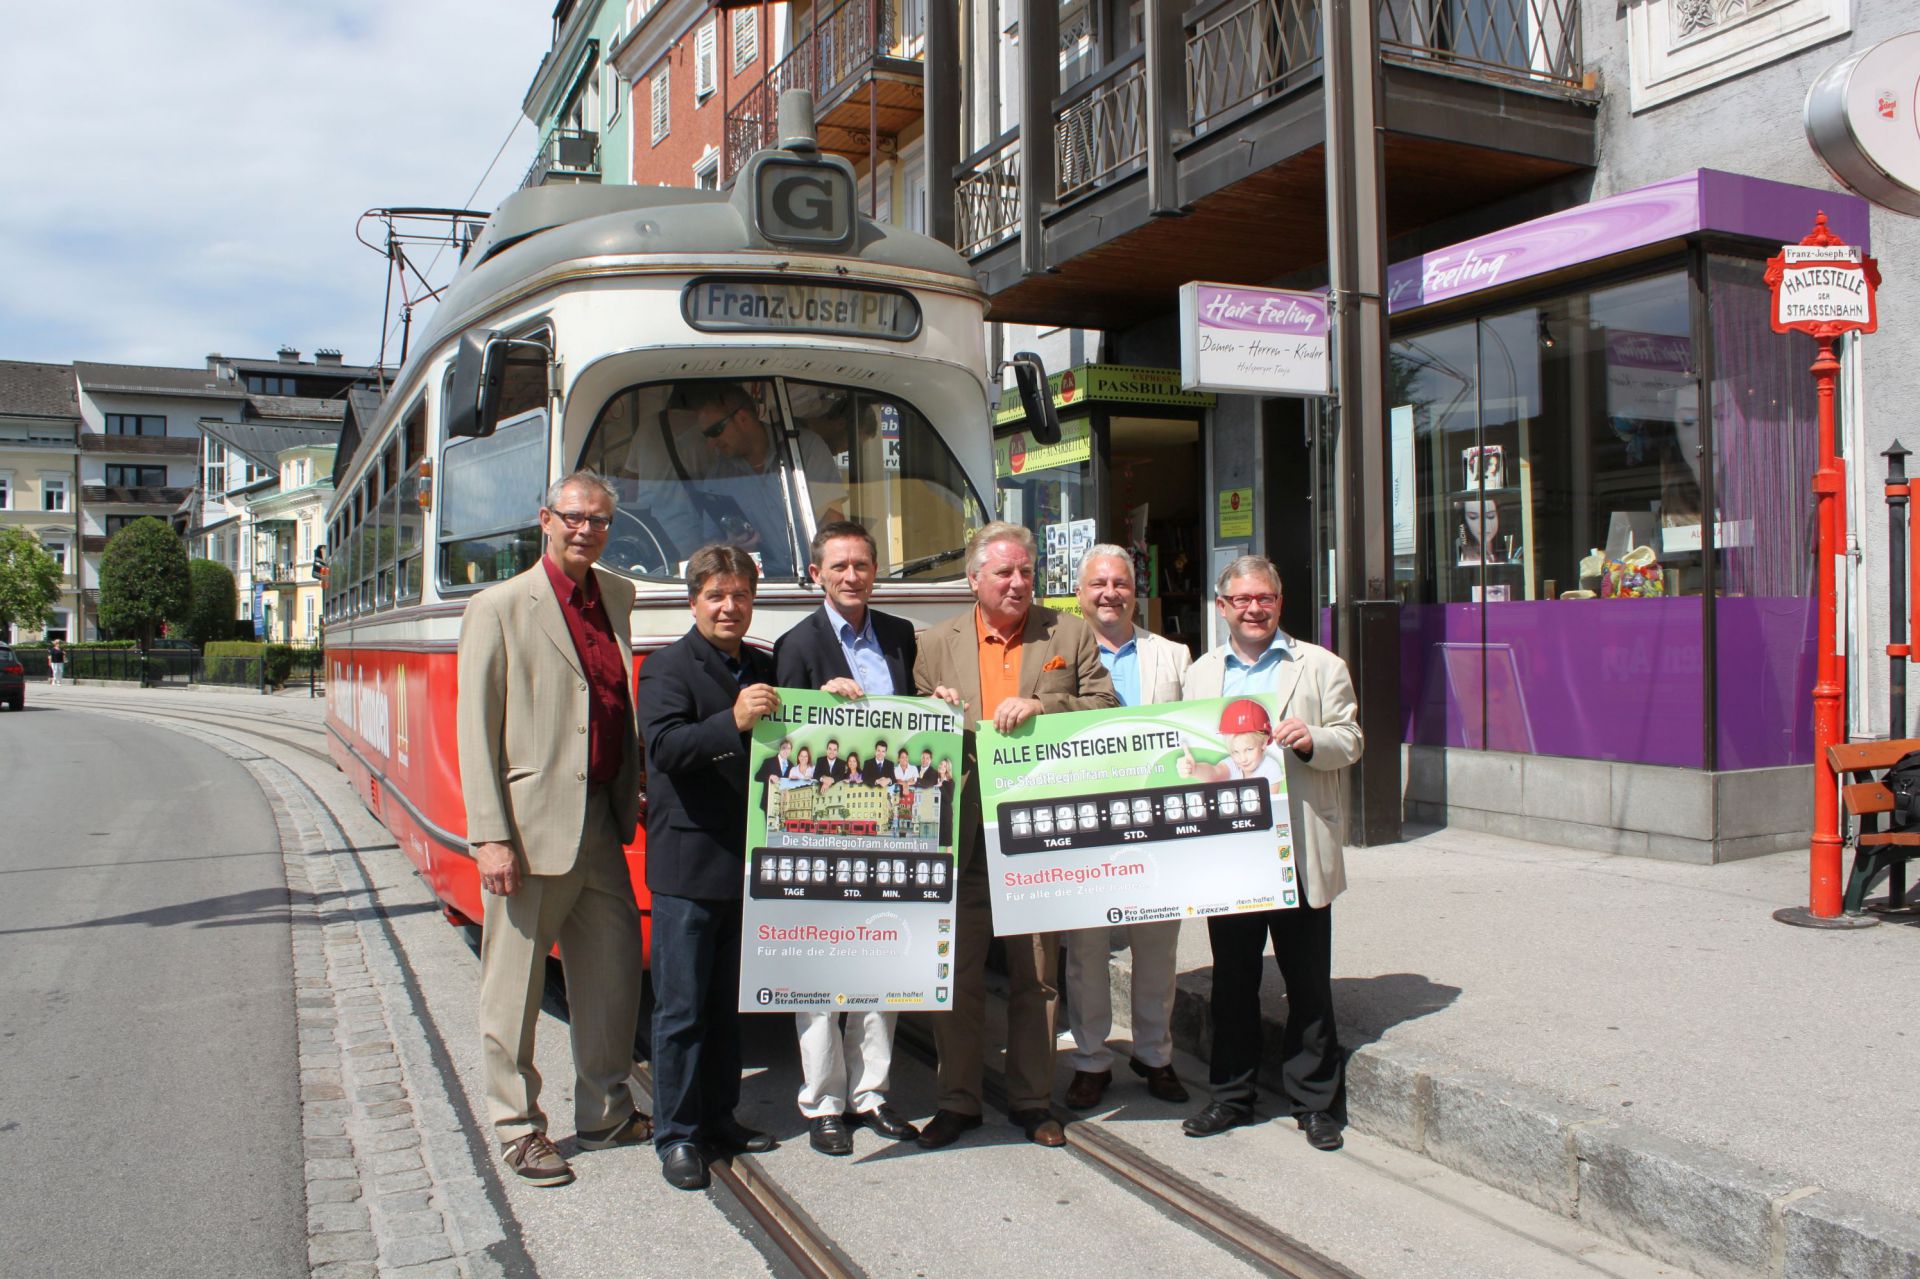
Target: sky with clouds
pixel 185 176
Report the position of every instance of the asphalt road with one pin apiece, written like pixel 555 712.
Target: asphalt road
pixel 149 1108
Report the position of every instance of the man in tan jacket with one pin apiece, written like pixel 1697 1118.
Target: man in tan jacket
pixel 550 768
pixel 1001 662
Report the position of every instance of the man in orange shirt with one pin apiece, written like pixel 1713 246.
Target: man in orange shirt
pixel 1002 663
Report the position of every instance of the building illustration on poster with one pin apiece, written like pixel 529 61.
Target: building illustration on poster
pixel 850 866
pixel 1136 814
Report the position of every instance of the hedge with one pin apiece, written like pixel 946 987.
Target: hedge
pixel 224 659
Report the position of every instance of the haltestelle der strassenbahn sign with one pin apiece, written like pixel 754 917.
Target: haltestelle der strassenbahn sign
pixel 1823 287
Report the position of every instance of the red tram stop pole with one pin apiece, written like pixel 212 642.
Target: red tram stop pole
pixel 1824 287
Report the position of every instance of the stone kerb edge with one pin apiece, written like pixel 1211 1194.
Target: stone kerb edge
pixel 1681 1203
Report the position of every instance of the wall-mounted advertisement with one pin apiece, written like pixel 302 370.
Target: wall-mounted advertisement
pixel 848 901
pixel 1267 341
pixel 1135 814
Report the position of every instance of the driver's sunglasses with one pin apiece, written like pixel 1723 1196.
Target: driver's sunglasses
pixel 1241 603
pixel 712 430
pixel 574 519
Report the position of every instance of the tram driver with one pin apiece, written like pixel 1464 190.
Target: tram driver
pixel 744 474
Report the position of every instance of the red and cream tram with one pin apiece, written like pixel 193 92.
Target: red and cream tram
pixel 580 321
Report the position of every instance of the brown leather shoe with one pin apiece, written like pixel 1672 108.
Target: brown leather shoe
pixel 945 1128
pixel 1041 1127
pixel 635 1130
pixel 1087 1088
pixel 1161 1081
pixel 534 1160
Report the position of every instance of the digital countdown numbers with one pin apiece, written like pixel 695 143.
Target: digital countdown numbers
pixel 1196 809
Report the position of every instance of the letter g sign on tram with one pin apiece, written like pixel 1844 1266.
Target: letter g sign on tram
pixel 798 202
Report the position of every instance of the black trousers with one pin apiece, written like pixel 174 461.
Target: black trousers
pixel 696 1022
pixel 1313 1065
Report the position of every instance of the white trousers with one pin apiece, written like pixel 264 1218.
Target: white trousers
pixel 1090 993
pixel 832 1059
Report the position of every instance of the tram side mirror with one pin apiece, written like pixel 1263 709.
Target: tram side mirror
pixel 1036 398
pixel 473 397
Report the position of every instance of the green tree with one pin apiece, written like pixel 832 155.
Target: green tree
pixel 143 579
pixel 29 581
pixel 213 602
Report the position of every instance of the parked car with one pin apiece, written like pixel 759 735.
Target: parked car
pixel 13 679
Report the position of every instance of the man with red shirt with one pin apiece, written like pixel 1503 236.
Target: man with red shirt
pixel 550 769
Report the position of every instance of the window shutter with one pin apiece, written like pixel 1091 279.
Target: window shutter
pixel 746 38
pixel 704 58
pixel 660 104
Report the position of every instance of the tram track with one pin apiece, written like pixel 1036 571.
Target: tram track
pixel 788 1233
pixel 1176 1195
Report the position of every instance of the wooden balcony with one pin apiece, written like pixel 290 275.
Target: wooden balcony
pixel 862 61
pixel 1475 113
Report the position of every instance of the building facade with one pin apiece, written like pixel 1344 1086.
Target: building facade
pixel 1594 500
pixel 287 523
pixel 40 476
pixel 578 99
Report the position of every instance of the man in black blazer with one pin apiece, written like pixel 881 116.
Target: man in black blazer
pixel 850 650
pixel 699 700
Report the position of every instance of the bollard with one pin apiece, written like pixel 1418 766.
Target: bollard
pixel 1898 650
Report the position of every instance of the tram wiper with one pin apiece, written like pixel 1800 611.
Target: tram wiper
pixel 928 561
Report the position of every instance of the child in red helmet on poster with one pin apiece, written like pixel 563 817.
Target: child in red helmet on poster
pixel 1249 733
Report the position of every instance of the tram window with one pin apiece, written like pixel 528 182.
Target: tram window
pixel 489 499
pixel 901 482
pixel 708 460
pixel 406 525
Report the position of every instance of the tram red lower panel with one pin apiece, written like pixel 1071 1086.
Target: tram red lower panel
pixel 392 717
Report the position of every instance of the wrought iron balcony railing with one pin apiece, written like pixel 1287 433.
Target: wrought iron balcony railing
pixel 1242 53
pixel 830 58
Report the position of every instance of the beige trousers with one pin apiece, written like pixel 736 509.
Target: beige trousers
pixel 960 1035
pixel 591 913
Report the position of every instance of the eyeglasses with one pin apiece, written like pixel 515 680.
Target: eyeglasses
pixel 713 429
pixel 574 519
pixel 1241 603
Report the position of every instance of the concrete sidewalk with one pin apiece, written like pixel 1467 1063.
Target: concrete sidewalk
pixel 1633 1043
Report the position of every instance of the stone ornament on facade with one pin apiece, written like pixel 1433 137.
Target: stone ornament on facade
pixel 1677 47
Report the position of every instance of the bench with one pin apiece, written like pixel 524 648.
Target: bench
pixel 1875 849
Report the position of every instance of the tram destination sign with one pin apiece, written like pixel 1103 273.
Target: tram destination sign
pixel 849 891
pixel 1136 814
pixel 745 304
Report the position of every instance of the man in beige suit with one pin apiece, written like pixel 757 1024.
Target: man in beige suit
pixel 1002 662
pixel 1146 670
pixel 1319 736
pixel 550 767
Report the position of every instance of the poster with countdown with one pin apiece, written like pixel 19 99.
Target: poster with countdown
pixel 850 868
pixel 1136 814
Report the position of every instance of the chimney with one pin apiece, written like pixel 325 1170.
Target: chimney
pixel 326 355
pixel 288 355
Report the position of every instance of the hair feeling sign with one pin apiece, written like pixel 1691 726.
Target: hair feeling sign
pixel 1268 341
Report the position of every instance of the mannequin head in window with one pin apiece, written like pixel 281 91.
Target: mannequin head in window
pixel 1481 519
pixel 724 415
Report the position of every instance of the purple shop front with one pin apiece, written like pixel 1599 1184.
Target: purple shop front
pixel 1719 673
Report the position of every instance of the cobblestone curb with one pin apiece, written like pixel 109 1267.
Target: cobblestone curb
pixel 393 1185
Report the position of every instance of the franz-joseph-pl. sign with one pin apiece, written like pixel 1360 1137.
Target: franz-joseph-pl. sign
pixel 1268 341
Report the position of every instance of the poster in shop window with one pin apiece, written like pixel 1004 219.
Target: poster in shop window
pixel 848 901
pixel 1137 814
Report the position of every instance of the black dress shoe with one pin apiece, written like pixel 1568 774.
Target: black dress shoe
pixel 736 1138
pixel 1087 1088
pixel 1162 1083
pixel 683 1167
pixel 945 1128
pixel 828 1134
pixel 1216 1118
pixel 1322 1129
pixel 886 1121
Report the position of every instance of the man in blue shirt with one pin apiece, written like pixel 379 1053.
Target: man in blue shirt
pixel 1319 736
pixel 1146 669
pixel 849 650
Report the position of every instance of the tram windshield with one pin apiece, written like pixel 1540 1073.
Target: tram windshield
pixel 761 463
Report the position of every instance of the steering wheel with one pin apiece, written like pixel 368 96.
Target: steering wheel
pixel 637 545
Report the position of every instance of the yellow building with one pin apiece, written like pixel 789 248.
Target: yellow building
pixel 286 523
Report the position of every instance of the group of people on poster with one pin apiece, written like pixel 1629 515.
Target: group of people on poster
pixel 550 751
